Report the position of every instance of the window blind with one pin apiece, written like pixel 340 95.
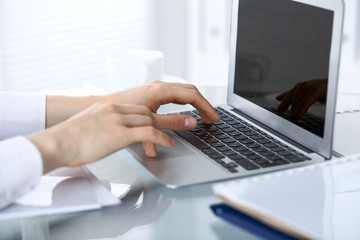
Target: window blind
pixel 61 44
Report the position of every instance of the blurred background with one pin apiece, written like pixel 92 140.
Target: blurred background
pixel 53 44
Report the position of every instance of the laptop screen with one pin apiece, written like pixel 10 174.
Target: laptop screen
pixel 282 59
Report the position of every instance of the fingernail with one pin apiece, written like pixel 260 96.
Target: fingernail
pixel 172 142
pixel 190 123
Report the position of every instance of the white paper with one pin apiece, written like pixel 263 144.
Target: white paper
pixel 61 191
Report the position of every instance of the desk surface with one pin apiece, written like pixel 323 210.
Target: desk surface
pixel 149 210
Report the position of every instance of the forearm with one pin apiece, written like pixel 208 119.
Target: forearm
pixel 60 108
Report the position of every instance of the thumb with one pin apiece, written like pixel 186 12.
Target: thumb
pixel 176 122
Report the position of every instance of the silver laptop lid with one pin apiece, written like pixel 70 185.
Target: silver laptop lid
pixel 276 44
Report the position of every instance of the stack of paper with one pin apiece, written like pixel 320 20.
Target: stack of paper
pixel 62 191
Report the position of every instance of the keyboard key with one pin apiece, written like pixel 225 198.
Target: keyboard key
pixel 264 141
pixel 253 145
pixel 209 151
pixel 232 170
pixel 270 145
pixel 273 164
pixel 188 136
pixel 294 158
pixel 251 133
pixel 204 137
pixel 260 161
pixel 228 140
pixel 216 132
pixel 273 158
pixel 222 126
pixel 229 153
pixel 266 153
pixel 223 136
pixel 243 162
pixel 229 130
pixel 216 156
pixel 247 141
pixel 211 140
pixel 217 145
pixel 246 129
pixel 257 137
pixel 247 152
pixel 218 123
pixel 230 165
pixel 260 149
pixel 200 133
pixel 284 153
pixel 223 149
pixel 197 129
pixel 227 119
pixel 233 122
pixel 189 113
pixel 240 148
pixel 234 144
pixel 235 133
pixel 240 137
pixel 277 149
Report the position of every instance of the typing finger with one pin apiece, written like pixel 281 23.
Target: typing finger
pixel 150 149
pixel 177 122
pixel 149 134
pixel 180 95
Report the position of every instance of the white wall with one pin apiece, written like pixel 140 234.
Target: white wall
pixel 349 79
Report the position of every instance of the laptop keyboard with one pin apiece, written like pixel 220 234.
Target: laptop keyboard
pixel 308 121
pixel 234 143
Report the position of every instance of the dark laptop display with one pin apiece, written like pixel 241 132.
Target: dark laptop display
pixel 280 44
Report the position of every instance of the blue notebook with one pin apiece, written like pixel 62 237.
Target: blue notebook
pixel 248 223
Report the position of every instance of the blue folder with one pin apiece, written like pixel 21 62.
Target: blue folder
pixel 248 223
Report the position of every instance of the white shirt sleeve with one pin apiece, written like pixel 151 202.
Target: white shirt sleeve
pixel 20 161
pixel 21 114
pixel 21 169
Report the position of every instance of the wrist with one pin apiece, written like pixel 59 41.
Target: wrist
pixel 50 149
pixel 61 108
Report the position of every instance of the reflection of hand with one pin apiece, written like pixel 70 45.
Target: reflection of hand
pixel 97 132
pixel 302 96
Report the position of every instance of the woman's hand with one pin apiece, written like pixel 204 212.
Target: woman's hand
pixel 100 130
pixel 157 93
pixel 152 94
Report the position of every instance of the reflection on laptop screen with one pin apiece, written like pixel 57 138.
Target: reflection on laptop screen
pixel 282 59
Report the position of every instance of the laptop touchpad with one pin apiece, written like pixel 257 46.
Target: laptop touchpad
pixel 179 150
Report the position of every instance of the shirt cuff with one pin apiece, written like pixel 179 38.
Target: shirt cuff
pixel 21 168
pixel 21 113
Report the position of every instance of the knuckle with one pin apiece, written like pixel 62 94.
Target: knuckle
pixel 148 120
pixel 109 106
pixel 151 132
pixel 154 82
pixel 192 86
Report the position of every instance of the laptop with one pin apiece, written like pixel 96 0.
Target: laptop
pixel 275 45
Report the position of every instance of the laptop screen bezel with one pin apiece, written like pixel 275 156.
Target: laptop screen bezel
pixel 322 146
